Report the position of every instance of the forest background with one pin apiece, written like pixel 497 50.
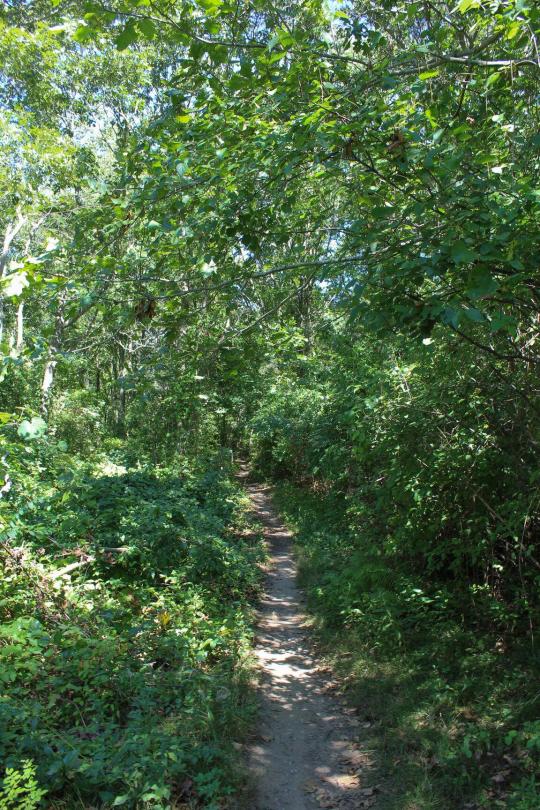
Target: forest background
pixel 307 232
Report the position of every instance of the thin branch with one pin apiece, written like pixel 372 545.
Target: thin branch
pixel 490 350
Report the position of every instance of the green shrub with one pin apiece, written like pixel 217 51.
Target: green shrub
pixel 20 790
pixel 446 694
pixel 125 677
pixel 77 420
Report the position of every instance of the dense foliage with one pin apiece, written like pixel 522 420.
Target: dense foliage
pixel 125 598
pixel 307 232
pixel 417 544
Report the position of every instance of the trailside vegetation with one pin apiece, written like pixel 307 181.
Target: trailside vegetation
pixel 126 628
pixel 306 234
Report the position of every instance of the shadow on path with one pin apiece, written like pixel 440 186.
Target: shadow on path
pixel 305 756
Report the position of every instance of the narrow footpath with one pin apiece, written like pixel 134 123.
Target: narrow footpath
pixel 306 754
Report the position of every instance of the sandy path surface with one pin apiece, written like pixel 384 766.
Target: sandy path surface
pixel 305 756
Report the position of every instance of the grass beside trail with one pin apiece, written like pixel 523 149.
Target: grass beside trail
pixel 448 702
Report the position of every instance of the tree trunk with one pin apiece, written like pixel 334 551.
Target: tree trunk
pixel 11 232
pixel 20 326
pixel 48 380
pixel 52 358
pixel 121 424
pixel 124 365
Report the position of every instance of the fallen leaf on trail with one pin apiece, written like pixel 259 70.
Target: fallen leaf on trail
pixel 356 758
pixel 326 800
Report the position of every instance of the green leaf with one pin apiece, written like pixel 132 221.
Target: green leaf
pixel 451 315
pixel 474 314
pixel 126 37
pixel 33 429
pixel 429 74
pixel 210 6
pixel 147 28
pixel 15 283
pixel 492 79
pixel 465 5
pixel 481 285
pixel 461 253
pixel 431 118
pixel 513 29
pixel 272 42
pixel 504 323
pixel 83 34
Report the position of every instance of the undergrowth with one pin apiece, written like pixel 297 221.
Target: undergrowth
pixel 125 607
pixel 447 698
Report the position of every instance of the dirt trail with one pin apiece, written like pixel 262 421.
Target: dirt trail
pixel 304 757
